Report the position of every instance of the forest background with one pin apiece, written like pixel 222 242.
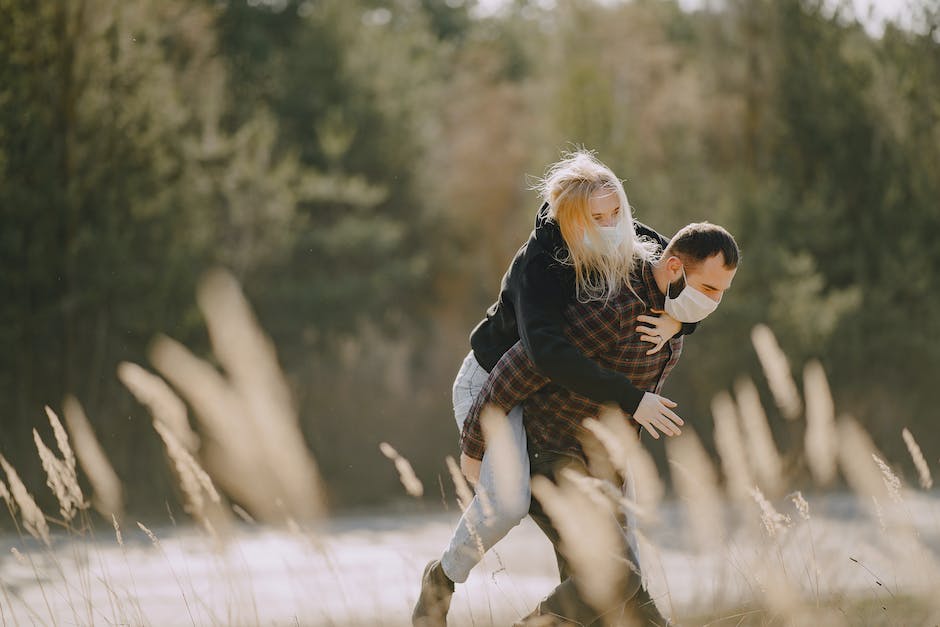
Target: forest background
pixel 360 166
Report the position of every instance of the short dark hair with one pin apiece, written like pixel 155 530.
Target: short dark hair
pixel 696 242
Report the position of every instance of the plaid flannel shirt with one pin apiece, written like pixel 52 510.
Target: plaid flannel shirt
pixel 605 332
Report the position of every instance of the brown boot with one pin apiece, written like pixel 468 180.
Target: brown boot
pixel 434 599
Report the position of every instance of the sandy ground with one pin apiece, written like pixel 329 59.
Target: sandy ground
pixel 364 570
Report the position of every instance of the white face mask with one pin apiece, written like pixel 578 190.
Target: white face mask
pixel 690 305
pixel 610 235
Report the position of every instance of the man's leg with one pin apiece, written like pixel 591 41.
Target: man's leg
pixel 566 601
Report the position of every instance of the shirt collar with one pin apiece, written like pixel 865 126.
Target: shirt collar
pixel 647 289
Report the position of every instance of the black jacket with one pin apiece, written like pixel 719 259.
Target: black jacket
pixel 532 299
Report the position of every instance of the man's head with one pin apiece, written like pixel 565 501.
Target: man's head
pixel 704 257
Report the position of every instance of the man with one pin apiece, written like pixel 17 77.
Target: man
pixel 687 281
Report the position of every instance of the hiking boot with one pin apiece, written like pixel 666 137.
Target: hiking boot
pixel 434 599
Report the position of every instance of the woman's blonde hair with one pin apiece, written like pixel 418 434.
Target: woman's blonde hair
pixel 601 268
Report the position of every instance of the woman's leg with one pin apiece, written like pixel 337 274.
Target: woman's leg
pixel 480 525
pixel 494 511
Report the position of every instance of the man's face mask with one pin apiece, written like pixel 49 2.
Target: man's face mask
pixel 690 305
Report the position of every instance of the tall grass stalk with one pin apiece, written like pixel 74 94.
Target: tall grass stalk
pixel 156 543
pixel 730 445
pixel 9 604
pixel 920 462
pixel 34 521
pixel 802 508
pixel 500 451
pixel 820 439
pixel 130 571
pixel 696 483
pixel 777 370
pixel 762 451
pixel 406 473
pixel 107 496
pixel 465 498
pixel 589 537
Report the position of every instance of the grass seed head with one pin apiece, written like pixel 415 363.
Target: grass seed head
pixel 406 473
pixel 34 521
pixel 891 480
pixel 631 458
pixel 820 440
pixel 117 530
pixel 801 505
pixel 7 497
pixel 920 462
pixel 856 453
pixel 153 538
pixel 194 481
pixel 464 493
pixel 777 370
pixel 762 451
pixel 589 538
pixel 773 521
pixel 500 451
pixel 106 487
pixel 19 557
pixel 61 439
pixel 64 487
pixel 696 482
pixel 730 445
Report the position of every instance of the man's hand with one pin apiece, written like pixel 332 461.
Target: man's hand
pixel 662 327
pixel 470 468
pixel 654 413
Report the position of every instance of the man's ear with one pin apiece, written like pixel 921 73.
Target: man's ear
pixel 674 265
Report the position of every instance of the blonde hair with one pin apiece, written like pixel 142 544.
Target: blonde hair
pixel 600 268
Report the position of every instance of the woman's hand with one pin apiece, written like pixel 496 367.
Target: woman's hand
pixel 470 468
pixel 660 328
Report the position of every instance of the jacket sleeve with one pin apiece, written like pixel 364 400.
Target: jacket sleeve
pixel 688 328
pixel 540 304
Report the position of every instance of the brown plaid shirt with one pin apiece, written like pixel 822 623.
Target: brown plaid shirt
pixel 603 331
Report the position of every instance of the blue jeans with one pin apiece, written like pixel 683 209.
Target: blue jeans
pixel 487 519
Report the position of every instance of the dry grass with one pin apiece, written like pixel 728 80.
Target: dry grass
pixel 108 498
pixel 406 473
pixel 820 442
pixel 247 459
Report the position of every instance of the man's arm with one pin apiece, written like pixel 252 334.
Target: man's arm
pixel 511 381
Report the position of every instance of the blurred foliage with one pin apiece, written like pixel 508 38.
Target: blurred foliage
pixel 360 165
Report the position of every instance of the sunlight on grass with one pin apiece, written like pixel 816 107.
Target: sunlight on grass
pixel 731 549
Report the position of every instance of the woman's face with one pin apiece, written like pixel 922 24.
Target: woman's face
pixel 605 207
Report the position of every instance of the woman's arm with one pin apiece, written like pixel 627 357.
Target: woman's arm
pixel 540 304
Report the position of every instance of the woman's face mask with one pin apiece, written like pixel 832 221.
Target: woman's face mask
pixel 690 305
pixel 610 235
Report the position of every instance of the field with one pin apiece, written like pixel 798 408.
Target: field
pixel 728 544
pixel 364 570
